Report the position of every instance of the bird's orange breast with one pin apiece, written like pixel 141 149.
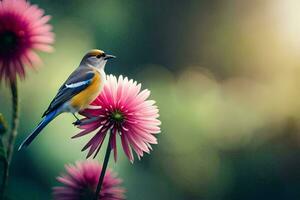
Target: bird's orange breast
pixel 88 95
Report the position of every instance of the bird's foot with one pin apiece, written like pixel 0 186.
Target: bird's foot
pixel 78 122
pixel 85 121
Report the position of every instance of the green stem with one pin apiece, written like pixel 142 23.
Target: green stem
pixel 105 163
pixel 13 133
pixel 15 121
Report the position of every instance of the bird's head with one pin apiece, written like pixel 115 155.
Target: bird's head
pixel 96 58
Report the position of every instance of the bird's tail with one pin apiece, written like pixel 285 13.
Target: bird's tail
pixel 47 119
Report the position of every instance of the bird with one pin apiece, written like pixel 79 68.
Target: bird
pixel 79 90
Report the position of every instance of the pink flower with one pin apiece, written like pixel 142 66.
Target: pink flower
pixel 123 109
pixel 23 29
pixel 81 180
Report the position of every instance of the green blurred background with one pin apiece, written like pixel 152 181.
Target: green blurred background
pixel 225 75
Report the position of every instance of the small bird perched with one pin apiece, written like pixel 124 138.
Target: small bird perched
pixel 78 91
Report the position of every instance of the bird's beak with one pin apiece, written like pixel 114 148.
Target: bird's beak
pixel 107 57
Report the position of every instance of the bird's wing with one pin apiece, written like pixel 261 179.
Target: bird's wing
pixel 77 81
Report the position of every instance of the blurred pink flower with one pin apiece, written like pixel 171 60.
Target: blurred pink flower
pixel 81 180
pixel 124 109
pixel 23 29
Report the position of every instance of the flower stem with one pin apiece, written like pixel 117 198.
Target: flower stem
pixel 15 121
pixel 13 133
pixel 106 159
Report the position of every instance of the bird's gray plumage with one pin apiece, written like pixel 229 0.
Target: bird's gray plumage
pixel 79 79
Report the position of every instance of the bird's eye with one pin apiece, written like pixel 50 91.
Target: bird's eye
pixel 98 56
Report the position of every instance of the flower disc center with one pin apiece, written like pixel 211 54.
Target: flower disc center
pixel 87 193
pixel 8 42
pixel 117 116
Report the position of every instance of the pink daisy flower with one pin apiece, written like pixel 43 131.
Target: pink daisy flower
pixel 23 29
pixel 123 109
pixel 81 180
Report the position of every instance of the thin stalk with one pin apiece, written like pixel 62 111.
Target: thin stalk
pixel 105 163
pixel 13 133
pixel 15 121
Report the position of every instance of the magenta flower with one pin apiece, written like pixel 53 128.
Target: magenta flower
pixel 23 29
pixel 123 109
pixel 81 180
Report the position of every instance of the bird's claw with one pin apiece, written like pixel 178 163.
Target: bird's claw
pixel 85 121
pixel 77 122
